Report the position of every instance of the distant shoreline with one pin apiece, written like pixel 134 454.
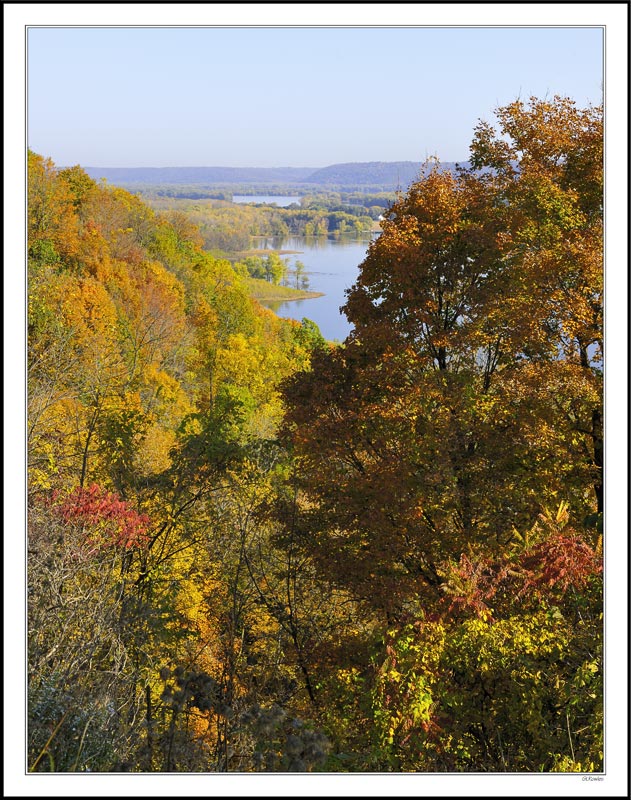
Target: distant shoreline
pixel 247 253
pixel 285 299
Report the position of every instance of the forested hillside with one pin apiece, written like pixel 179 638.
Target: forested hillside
pixel 379 175
pixel 393 175
pixel 159 175
pixel 250 550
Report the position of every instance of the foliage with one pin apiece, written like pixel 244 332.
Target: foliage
pixel 460 404
pixel 509 687
pixel 229 227
pixel 111 521
pixel 467 400
pixel 82 629
pixel 152 378
pixel 251 550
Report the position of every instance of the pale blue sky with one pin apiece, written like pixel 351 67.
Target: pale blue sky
pixel 289 96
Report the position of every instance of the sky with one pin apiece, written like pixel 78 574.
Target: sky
pixel 295 96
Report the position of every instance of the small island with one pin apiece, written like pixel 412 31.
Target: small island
pixel 267 292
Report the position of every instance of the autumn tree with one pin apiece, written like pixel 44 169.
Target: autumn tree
pixel 548 169
pixel 83 706
pixel 465 404
pixel 506 672
pixel 468 394
pixel 152 386
pixel 349 573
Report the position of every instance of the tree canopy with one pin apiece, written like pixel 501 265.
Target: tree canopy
pixel 252 550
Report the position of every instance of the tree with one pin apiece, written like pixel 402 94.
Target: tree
pixel 153 409
pixel 275 268
pixel 53 227
pixel 506 674
pixel 82 630
pixel 227 576
pixel 299 269
pixel 468 395
pixel 549 174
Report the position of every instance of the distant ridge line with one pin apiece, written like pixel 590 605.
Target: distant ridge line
pixel 369 173
pixel 199 174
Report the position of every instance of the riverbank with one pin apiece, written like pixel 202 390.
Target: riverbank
pixel 266 252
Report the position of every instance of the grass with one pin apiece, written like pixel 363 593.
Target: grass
pixel 263 290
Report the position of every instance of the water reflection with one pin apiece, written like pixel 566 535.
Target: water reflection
pixel 331 264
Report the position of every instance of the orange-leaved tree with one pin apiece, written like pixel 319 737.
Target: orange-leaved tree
pixel 469 394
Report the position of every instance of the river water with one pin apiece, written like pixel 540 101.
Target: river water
pixel 281 200
pixel 331 264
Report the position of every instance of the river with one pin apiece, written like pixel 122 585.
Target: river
pixel 280 200
pixel 331 264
